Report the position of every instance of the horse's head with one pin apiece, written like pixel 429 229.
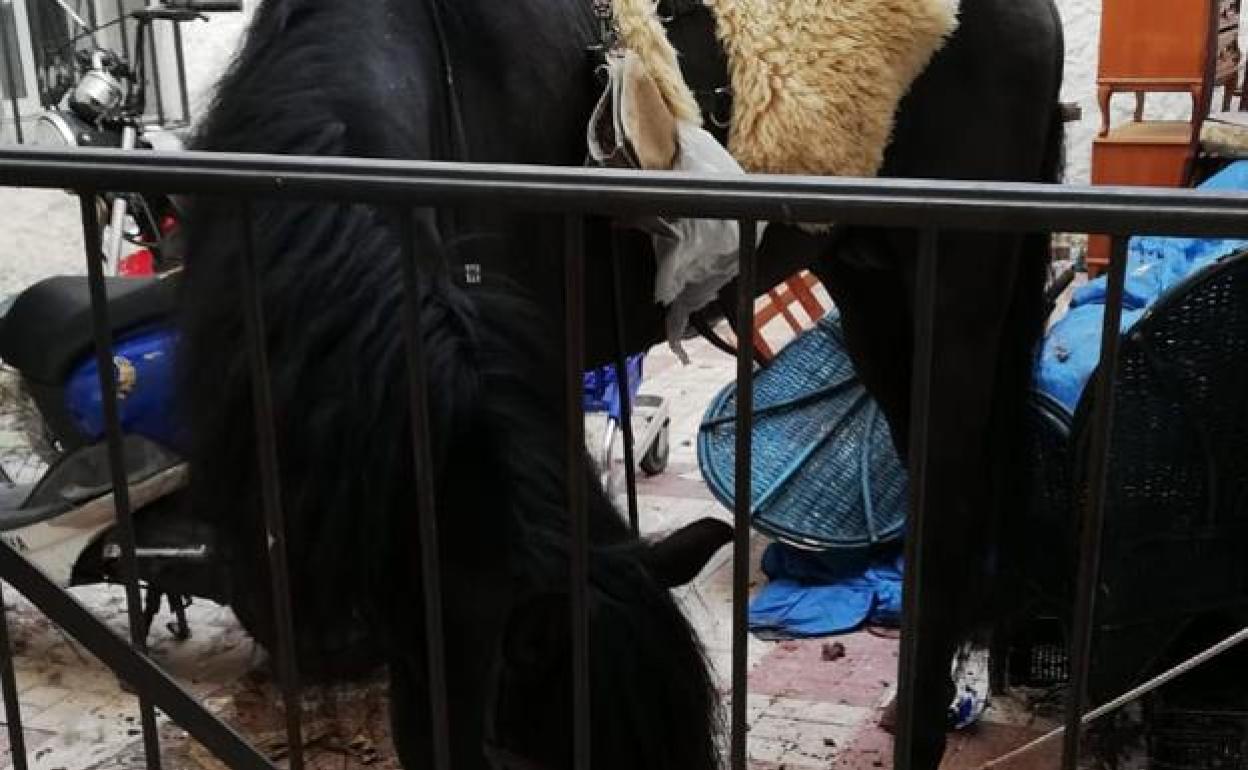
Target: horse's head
pixel 653 704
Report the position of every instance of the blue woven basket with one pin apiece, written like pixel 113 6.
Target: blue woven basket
pixel 826 474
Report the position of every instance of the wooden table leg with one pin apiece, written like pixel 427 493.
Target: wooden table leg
pixel 1103 94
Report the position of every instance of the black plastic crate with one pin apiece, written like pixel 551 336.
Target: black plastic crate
pixel 1038 655
pixel 1198 739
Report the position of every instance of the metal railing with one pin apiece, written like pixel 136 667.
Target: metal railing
pixel 926 206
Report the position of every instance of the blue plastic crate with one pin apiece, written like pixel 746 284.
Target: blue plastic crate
pixel 602 390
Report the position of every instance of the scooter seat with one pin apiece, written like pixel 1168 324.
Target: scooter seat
pixel 48 330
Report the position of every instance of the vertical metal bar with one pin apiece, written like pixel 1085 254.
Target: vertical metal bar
pixel 275 527
pixel 1094 513
pixel 155 70
pixel 116 457
pixel 94 20
pixel 431 574
pixel 742 495
pixel 39 54
pixel 574 384
pixel 621 377
pixel 8 682
pixel 912 659
pixel 121 22
pixel 10 74
pixel 181 59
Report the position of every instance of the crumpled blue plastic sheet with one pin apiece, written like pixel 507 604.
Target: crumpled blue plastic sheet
pixel 819 594
pixel 1155 264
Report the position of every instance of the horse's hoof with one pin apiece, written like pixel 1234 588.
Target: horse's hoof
pixel 888 712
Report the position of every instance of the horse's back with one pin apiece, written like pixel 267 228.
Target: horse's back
pixel 984 109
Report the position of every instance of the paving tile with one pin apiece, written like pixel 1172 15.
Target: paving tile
pixel 88 715
pixel 34 741
pixel 793 733
pixel 797 669
pixel 71 753
pixel 35 701
pixel 985 741
pixel 681 480
pixel 870 749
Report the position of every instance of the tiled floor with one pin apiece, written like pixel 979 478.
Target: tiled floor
pixel 805 711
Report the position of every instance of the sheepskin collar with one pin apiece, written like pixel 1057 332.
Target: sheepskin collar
pixel 816 83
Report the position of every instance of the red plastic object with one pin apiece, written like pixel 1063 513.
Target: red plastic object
pixel 137 263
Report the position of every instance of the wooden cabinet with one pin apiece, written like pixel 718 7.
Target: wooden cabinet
pixel 1150 46
pixel 1147 154
pixel 1165 45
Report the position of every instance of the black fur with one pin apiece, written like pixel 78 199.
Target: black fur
pixel 987 109
pixel 332 77
pixel 327 77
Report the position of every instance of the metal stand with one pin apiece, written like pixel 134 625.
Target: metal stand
pixel 651 425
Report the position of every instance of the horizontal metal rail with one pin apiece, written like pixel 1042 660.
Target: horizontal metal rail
pixel 131 665
pixel 915 203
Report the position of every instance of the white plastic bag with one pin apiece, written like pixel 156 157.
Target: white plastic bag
pixel 696 257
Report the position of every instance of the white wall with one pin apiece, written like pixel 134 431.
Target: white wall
pixel 208 48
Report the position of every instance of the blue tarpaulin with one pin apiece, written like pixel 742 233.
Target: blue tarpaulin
pixel 823 593
pixel 1154 265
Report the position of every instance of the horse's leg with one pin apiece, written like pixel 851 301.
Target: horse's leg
pixel 474 606
pixel 468 662
pixel 410 720
pixel 983 338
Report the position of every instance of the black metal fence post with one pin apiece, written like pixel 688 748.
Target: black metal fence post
pixel 431 574
pixel 94 20
pixel 121 23
pixel 1094 510
pixel 274 524
pixel 10 75
pixel 154 59
pixel 916 652
pixel 743 497
pixel 8 683
pixel 625 390
pixel 180 54
pixel 116 457
pixel 574 383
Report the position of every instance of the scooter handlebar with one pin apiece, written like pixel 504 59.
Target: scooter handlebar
pixel 206 6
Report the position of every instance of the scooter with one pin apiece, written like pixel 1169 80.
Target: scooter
pixel 106 108
pixel 65 522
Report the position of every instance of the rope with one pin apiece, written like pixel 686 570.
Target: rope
pixel 1144 689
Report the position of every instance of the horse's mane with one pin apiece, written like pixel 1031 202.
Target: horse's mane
pixel 329 275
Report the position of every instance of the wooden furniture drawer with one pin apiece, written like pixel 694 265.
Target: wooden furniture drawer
pixel 1146 154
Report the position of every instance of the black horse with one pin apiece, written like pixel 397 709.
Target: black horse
pixel 329 77
pixel 987 108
